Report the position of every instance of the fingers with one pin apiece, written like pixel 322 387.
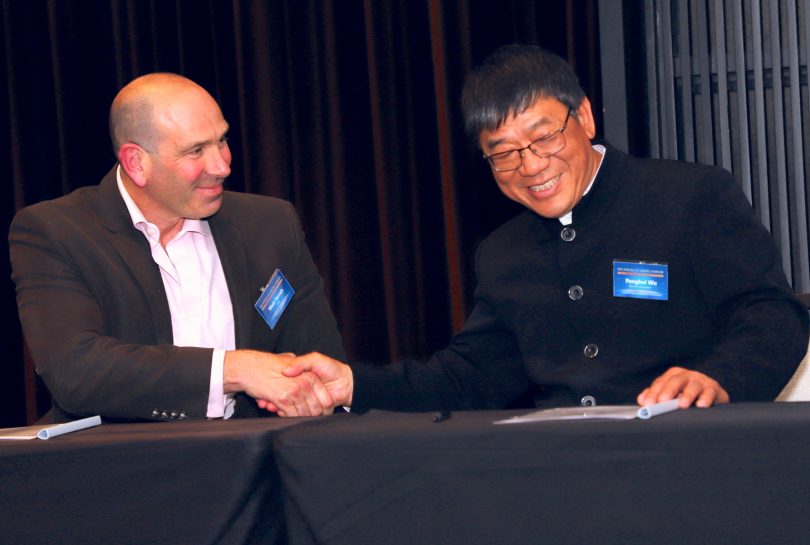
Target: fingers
pixel 267 405
pixel 690 387
pixel 324 406
pixel 698 390
pixel 335 375
pixel 707 398
pixel 322 394
pixel 313 396
pixel 312 362
pixel 298 366
pixel 665 387
pixel 301 396
pixel 287 385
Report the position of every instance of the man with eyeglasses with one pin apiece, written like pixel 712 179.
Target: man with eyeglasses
pixel 624 281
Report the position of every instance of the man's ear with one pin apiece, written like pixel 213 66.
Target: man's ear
pixel 585 118
pixel 136 162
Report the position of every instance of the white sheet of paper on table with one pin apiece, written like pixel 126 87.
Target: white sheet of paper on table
pixel 610 412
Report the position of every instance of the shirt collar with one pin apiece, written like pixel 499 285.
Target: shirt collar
pixel 568 217
pixel 142 224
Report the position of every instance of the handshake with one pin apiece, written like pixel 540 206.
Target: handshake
pixel 289 385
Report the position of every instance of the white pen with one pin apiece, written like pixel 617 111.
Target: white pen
pixel 659 408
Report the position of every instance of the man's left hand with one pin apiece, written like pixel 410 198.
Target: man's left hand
pixel 690 387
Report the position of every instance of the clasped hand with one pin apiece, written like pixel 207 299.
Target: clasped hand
pixel 308 385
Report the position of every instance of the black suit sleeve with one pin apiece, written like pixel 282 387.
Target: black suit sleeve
pixel 90 327
pixel 480 369
pixel 763 328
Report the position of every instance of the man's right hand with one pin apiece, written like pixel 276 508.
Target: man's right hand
pixel 259 375
pixel 337 377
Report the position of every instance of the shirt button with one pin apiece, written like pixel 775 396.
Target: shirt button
pixel 568 234
pixel 591 350
pixel 575 293
pixel 587 401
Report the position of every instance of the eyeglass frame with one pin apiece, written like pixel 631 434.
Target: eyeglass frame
pixel 520 151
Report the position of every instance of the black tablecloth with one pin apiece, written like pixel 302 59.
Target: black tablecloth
pixel 172 483
pixel 736 474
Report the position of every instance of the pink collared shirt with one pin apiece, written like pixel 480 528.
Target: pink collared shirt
pixel 199 301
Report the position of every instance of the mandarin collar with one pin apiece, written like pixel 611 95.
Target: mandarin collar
pixel 604 190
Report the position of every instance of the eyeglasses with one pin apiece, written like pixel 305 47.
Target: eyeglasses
pixel 543 147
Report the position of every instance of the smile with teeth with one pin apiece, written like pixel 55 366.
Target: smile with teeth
pixel 548 185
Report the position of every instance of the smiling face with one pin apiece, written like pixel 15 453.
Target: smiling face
pixel 178 171
pixel 192 160
pixel 549 186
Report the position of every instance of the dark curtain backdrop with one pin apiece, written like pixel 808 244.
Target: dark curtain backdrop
pixel 348 108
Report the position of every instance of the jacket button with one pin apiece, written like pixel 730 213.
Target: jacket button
pixel 575 293
pixel 591 350
pixel 155 413
pixel 588 401
pixel 568 234
pixel 164 415
pixel 182 415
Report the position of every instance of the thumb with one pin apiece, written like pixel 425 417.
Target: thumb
pixel 298 366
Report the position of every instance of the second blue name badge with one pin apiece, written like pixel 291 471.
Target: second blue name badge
pixel 274 299
pixel 641 280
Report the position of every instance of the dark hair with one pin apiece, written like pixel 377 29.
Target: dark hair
pixel 510 80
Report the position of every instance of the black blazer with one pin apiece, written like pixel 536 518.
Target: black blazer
pixel 96 318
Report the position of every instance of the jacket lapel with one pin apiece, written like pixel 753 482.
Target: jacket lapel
pixel 134 250
pixel 231 249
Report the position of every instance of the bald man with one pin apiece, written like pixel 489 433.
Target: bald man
pixel 137 295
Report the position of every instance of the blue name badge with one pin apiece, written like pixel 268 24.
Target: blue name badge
pixel 275 297
pixel 641 280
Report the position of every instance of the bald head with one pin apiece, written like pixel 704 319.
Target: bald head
pixel 137 106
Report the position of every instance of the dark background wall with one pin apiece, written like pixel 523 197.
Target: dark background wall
pixel 350 109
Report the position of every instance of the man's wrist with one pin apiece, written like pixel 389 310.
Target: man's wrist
pixel 350 386
pixel 216 394
pixel 233 370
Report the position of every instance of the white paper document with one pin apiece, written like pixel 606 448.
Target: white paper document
pixel 611 412
pixel 49 430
